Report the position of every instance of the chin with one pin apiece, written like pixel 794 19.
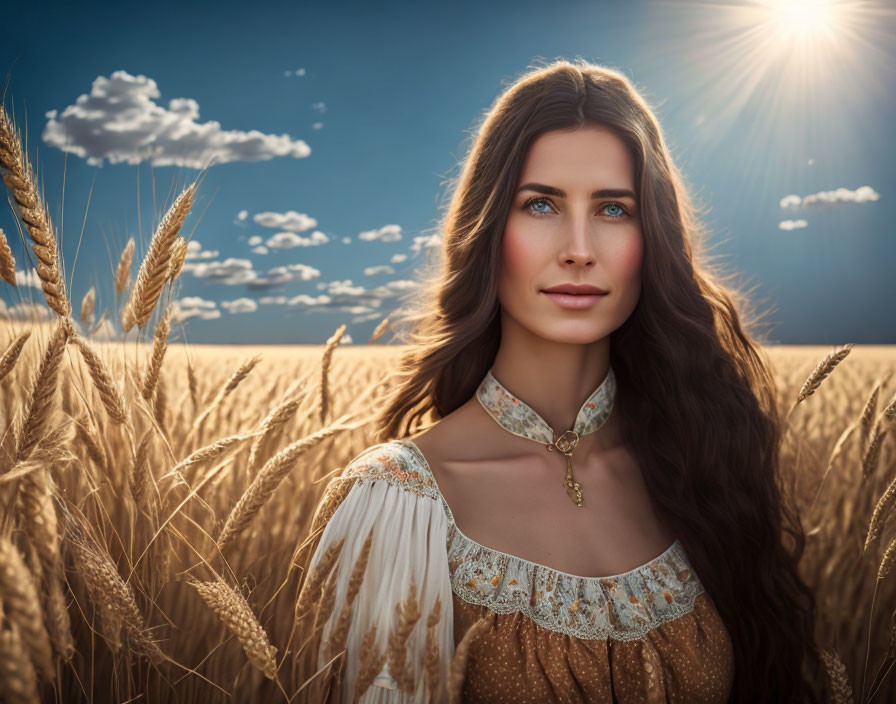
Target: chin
pixel 578 333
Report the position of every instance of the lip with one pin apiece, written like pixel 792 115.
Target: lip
pixel 573 301
pixel 575 289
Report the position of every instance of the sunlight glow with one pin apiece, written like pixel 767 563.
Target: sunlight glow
pixel 775 72
pixel 802 20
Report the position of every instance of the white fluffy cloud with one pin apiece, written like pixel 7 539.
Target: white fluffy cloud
pixel 791 201
pixel 230 272
pixel 194 307
pixel 378 269
pixel 255 240
pixel 425 241
pixel 260 249
pixel 233 272
pixel 398 258
pixel 290 220
pixel 240 305
pixel 29 278
pixel 242 215
pixel 343 297
pixel 862 194
pixel 195 251
pixel 26 311
pixel 121 121
pixel 792 224
pixel 288 240
pixel 105 330
pixel 387 233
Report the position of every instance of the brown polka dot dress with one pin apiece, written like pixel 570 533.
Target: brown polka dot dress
pixel 648 635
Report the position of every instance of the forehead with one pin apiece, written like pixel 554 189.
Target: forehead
pixel 592 154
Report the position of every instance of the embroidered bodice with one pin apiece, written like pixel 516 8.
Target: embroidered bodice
pixel 537 635
pixel 622 606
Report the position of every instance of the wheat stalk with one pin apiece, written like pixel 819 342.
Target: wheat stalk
pixel 159 402
pixel 325 607
pixel 33 211
pixel 241 373
pixel 124 267
pixel 380 329
pixel 35 504
pixel 107 588
pixel 889 558
pixel 840 689
pixel 268 479
pixel 872 452
pixel 277 418
pixel 7 261
pixel 159 345
pixel 232 609
pixel 58 622
pixel 822 370
pixel 312 586
pixel 206 454
pixel 21 605
pixel 153 270
pixel 36 500
pixel 870 407
pixel 18 681
pixel 178 257
pixel 193 383
pixel 51 449
pixel 11 355
pixel 325 372
pixel 102 380
pixel 92 443
pixel 43 390
pixel 890 411
pixel 880 514
pixel 87 305
pixel 140 471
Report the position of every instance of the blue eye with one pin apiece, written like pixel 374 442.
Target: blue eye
pixel 616 205
pixel 622 212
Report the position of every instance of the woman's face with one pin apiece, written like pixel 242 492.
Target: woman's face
pixel 557 233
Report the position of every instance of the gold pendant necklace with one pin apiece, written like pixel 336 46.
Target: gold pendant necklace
pixel 517 417
pixel 565 444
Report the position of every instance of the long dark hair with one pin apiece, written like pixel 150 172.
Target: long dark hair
pixel 696 394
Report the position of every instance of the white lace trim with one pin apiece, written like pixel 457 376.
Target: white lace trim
pixel 624 606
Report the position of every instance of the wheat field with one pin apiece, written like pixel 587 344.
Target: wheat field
pixel 157 499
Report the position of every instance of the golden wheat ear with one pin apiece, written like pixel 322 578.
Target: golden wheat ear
pixel 155 268
pixel 33 211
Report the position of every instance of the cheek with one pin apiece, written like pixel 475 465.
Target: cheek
pixel 517 256
pixel 629 258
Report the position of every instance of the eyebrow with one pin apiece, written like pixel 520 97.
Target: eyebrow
pixel 602 193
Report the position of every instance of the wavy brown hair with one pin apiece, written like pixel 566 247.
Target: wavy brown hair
pixel 696 394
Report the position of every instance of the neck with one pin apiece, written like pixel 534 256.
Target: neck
pixel 554 379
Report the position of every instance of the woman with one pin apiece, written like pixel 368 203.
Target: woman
pixel 639 558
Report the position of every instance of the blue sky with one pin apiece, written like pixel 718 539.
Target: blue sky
pixel 338 126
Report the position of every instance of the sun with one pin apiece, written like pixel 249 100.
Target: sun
pixel 801 20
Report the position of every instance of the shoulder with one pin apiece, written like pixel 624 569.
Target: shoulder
pixel 393 462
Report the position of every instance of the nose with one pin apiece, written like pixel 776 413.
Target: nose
pixel 578 243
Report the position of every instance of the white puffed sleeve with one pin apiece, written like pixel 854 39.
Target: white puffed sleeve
pixel 393 496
